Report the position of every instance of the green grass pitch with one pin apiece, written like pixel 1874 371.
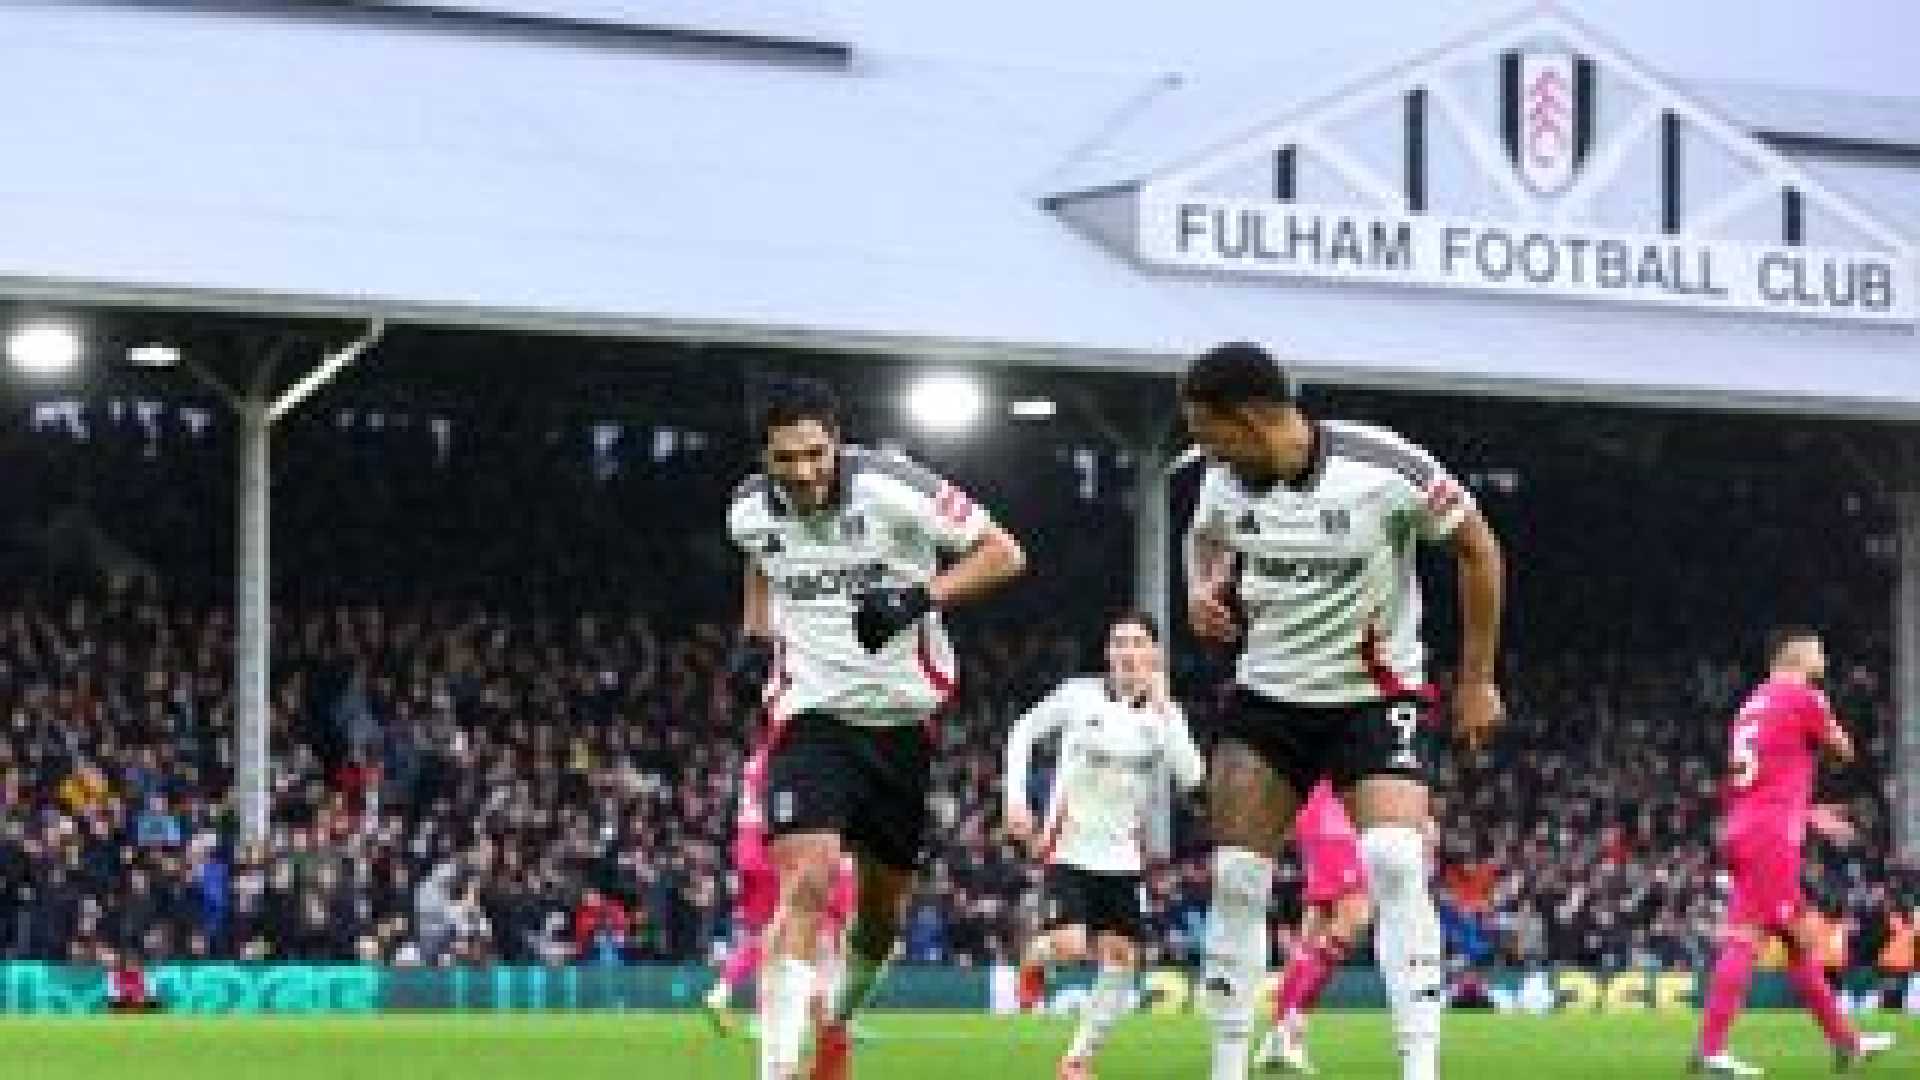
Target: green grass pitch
pixel 908 1046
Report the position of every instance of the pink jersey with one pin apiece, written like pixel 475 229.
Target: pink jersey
pixel 759 883
pixel 753 790
pixel 1773 749
pixel 1329 847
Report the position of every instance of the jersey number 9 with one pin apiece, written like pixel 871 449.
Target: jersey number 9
pixel 1405 718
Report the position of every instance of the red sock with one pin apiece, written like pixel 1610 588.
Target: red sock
pixel 1032 990
pixel 1307 973
pixel 1810 982
pixel 1726 993
pixel 741 962
pixel 1333 954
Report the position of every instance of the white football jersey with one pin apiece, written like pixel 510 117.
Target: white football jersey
pixel 1113 777
pixel 1326 565
pixel 888 523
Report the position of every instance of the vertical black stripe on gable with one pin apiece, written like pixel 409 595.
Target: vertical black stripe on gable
pixel 1417 150
pixel 1669 172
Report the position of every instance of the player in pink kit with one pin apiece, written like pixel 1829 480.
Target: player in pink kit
pixel 1335 911
pixel 1774 746
pixel 759 897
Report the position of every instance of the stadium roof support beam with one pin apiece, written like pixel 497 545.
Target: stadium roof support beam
pixel 256 408
pixel 1906 647
pixel 1153 532
pixel 1149 444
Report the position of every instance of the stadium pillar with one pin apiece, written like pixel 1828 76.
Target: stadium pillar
pixel 1145 440
pixel 1906 649
pixel 250 623
pixel 1151 537
pixel 256 411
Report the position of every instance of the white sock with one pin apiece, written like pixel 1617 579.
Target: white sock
pixel 831 975
pixel 1407 942
pixel 787 988
pixel 1235 953
pixel 1106 1001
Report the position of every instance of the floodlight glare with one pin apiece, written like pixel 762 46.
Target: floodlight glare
pixel 153 356
pixel 44 348
pixel 946 403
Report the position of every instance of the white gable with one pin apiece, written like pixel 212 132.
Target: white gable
pixel 1529 156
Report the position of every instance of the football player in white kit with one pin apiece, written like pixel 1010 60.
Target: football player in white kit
pixel 1124 744
pixel 1302 552
pixel 843 648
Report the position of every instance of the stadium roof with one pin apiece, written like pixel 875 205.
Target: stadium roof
pixel 213 156
pixel 767 20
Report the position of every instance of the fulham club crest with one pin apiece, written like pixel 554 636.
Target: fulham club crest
pixel 1546 114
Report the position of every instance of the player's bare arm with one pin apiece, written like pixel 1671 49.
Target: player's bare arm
pixel 755 621
pixel 1830 819
pixel 995 559
pixel 1835 740
pixel 1481 570
pixel 1209 574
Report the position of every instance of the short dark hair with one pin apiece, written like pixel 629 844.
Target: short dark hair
pixel 1782 636
pixel 1236 373
pixel 791 399
pixel 1135 617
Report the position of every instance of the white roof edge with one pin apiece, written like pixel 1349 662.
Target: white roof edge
pixel 907 347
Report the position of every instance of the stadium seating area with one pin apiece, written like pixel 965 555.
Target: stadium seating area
pixel 501 735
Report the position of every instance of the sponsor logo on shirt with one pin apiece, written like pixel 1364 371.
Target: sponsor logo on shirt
pixel 1310 570
pixel 808 585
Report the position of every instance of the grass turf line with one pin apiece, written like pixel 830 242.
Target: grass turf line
pixel 910 1046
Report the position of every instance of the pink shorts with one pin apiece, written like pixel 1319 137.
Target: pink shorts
pixel 1765 872
pixel 841 901
pixel 1332 867
pixel 759 895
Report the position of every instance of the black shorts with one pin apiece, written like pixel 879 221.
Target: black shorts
pixel 1341 742
pixel 868 784
pixel 1103 903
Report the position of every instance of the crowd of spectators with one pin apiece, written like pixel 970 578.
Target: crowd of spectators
pixel 474 788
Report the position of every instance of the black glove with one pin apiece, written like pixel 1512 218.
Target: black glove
pixel 748 669
pixel 884 612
